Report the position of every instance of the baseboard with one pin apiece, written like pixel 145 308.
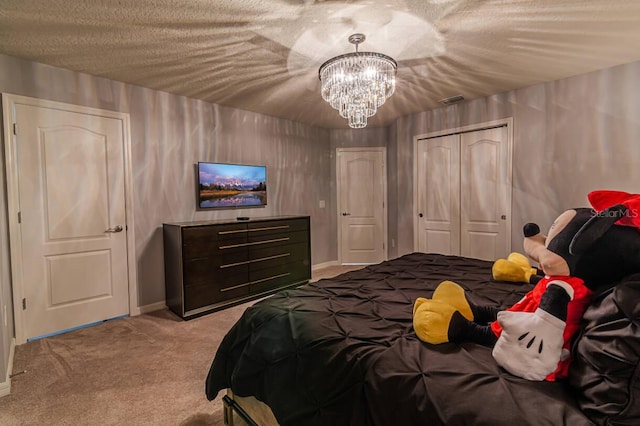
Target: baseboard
pixel 158 306
pixel 324 265
pixel 5 387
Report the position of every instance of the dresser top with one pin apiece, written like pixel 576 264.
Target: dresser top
pixel 230 221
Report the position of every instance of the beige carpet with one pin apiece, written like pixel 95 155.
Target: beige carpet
pixel 144 370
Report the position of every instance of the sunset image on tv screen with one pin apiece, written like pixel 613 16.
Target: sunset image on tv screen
pixel 231 185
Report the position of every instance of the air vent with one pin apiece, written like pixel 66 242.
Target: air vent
pixel 452 100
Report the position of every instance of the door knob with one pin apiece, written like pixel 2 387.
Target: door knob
pixel 118 228
pixel 346 214
pixel 420 214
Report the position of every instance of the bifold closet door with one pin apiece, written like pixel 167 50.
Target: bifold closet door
pixel 463 194
pixel 439 195
pixel 484 194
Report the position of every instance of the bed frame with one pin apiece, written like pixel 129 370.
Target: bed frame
pixel 241 411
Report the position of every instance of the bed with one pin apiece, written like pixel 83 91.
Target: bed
pixel 342 351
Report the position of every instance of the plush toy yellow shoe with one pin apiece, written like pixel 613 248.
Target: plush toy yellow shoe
pixel 521 260
pixel 452 294
pixel 432 317
pixel 515 268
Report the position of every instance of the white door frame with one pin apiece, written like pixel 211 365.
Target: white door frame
pixel 508 122
pixel 13 200
pixel 339 210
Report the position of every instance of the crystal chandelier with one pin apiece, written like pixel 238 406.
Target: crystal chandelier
pixel 357 84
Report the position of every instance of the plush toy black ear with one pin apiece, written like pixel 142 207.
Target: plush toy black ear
pixel 595 228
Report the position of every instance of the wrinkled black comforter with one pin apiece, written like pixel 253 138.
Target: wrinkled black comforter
pixel 342 351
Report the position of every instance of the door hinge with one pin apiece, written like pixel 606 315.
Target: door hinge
pixel 24 303
pixel 19 217
pixel 15 128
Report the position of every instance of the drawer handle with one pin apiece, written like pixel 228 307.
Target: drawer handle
pixel 254 260
pixel 270 278
pixel 270 228
pixel 275 240
pixel 239 231
pixel 222 290
pixel 235 231
pixel 254 282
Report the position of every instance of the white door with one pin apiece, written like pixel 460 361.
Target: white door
pixel 463 194
pixel 72 234
pixel 361 178
pixel 484 194
pixel 439 195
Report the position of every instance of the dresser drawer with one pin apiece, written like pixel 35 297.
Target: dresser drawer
pixel 277 276
pixel 268 257
pixel 214 233
pixel 202 241
pixel 276 227
pixel 219 258
pixel 277 239
pixel 211 292
pixel 207 270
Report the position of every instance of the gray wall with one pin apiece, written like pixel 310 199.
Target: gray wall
pixel 571 136
pixel 168 135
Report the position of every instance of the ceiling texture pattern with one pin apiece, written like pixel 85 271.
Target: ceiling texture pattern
pixel 264 55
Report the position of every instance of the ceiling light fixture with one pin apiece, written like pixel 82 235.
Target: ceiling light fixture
pixel 357 84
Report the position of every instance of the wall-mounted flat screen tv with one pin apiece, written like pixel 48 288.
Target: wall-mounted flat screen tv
pixel 222 185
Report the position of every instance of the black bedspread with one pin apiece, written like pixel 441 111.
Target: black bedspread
pixel 343 351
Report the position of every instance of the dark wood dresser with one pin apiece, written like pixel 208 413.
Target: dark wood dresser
pixel 216 264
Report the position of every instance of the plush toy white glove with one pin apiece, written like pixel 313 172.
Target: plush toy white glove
pixel 530 345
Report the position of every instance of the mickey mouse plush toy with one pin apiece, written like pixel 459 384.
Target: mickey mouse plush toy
pixel 586 251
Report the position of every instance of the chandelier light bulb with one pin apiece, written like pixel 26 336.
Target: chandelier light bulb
pixel 357 84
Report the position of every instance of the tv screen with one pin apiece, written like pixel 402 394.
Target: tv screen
pixel 231 185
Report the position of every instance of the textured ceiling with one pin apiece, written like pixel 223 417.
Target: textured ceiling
pixel 263 55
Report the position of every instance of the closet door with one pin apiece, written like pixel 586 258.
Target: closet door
pixel 439 195
pixel 463 194
pixel 484 193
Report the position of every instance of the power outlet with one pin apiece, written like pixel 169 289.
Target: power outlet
pixel 393 243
